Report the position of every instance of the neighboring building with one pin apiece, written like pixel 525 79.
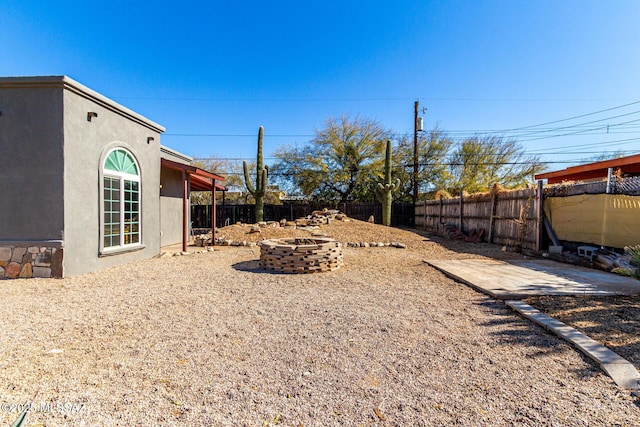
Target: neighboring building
pixel 84 182
pixel 597 171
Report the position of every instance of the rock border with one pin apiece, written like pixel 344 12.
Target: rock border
pixel 399 245
pixel 623 373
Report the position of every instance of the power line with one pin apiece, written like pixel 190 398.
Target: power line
pixel 514 163
pixel 451 163
pixel 372 99
pixel 465 133
pixel 234 135
pixel 525 153
pixel 581 124
pixel 601 143
pixel 360 99
pixel 575 117
pixel 582 128
pixel 515 134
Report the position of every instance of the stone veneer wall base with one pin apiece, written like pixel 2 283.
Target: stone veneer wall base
pixel 25 262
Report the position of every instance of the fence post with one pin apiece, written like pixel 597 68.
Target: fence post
pixel 610 179
pixel 461 196
pixel 539 211
pixel 424 221
pixel 492 218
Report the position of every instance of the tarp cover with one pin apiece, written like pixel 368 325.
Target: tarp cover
pixel 600 219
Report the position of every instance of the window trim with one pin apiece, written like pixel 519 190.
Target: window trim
pixel 122 177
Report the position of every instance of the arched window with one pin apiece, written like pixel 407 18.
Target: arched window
pixel 121 200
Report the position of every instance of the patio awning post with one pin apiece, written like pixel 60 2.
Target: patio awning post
pixel 213 212
pixel 185 207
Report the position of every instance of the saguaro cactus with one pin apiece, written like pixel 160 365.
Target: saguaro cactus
pixel 385 189
pixel 258 191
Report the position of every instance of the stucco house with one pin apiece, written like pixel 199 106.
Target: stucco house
pixel 84 181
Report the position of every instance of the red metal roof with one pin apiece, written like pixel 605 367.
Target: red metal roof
pixel 591 171
pixel 198 183
pixel 200 179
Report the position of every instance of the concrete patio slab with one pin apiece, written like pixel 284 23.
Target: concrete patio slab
pixel 523 278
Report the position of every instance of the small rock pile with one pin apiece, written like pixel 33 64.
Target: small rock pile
pixel 324 216
pixel 309 223
pixel 312 224
pixel 473 236
pixel 181 253
pixel 615 263
pixel 375 245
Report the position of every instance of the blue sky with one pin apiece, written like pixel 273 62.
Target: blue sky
pixel 211 72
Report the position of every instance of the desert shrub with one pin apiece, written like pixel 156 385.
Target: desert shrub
pixel 634 253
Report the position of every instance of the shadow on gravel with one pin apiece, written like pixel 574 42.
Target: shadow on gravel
pixel 515 330
pixel 254 267
pixel 482 248
pixel 612 320
pixel 520 332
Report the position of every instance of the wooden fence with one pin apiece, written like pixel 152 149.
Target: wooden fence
pixel 512 218
pixel 402 214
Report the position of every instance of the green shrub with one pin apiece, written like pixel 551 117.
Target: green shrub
pixel 634 253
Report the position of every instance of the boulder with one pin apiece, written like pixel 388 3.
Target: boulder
pixel 18 254
pixel 5 254
pixel 12 270
pixel 41 272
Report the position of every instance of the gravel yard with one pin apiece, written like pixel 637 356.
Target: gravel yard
pixel 613 321
pixel 209 339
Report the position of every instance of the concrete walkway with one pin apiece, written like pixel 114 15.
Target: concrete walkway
pixel 517 279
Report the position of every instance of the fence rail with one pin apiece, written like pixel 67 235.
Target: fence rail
pixel 629 186
pixel 507 218
pixel 402 214
pixel 512 218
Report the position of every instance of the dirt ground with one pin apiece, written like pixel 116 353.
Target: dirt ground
pixel 212 339
pixel 613 321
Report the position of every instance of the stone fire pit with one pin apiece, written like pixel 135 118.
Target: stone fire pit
pixel 301 255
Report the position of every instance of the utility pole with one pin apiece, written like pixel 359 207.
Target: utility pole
pixel 415 152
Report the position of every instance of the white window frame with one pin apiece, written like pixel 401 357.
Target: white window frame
pixel 121 177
